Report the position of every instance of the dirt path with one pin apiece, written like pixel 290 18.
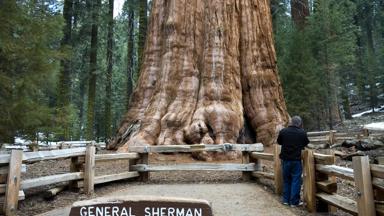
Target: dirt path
pixel 241 199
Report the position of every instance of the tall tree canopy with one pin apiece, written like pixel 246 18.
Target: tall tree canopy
pixel 29 57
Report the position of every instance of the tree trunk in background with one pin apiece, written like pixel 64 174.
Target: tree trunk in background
pixel 299 11
pixel 92 72
pixel 130 54
pixel 346 103
pixel 108 87
pixel 63 99
pixel 332 98
pixel 371 56
pixel 143 7
pixel 82 91
pixel 206 64
pixel 85 31
pixel 274 5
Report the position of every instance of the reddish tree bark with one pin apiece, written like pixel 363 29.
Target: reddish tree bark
pixel 299 12
pixel 206 65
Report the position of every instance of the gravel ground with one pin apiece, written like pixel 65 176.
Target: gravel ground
pixel 243 199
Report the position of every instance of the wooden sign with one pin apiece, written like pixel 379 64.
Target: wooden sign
pixel 141 206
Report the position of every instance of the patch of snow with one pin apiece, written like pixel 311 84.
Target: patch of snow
pixel 375 126
pixel 21 141
pixel 380 109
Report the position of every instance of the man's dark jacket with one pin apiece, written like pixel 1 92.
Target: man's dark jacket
pixel 292 140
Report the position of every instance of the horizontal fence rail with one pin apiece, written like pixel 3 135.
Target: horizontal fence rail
pixel 53 179
pixel 340 202
pixel 30 157
pixel 262 156
pixel 197 148
pixel 333 170
pixel 195 167
pixel 118 156
pixel 115 177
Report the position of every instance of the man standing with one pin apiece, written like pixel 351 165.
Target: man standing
pixel 292 139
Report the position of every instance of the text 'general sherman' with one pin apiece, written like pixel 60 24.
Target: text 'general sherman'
pixel 148 211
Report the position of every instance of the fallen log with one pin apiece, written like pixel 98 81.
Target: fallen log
pixel 363 144
pixel 51 193
pixel 346 156
pixel 318 146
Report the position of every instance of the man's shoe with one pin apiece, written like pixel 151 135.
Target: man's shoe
pixel 285 203
pixel 298 205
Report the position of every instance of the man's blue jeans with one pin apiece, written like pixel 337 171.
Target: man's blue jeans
pixel 292 171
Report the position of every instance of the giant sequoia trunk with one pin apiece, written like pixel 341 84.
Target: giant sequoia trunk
pixel 208 65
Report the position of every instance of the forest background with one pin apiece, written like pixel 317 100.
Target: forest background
pixel 69 67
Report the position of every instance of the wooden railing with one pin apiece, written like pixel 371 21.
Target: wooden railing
pixel 332 136
pixel 81 174
pixel 252 154
pixel 320 172
pixel 276 175
pixel 320 187
pixel 247 166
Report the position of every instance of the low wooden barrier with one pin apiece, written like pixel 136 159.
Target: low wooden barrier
pixel 319 173
pixel 325 139
pixel 277 175
pixel 81 174
pixel 144 168
pixel 320 187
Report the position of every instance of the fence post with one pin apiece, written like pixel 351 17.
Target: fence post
pixel 13 183
pixel 89 170
pixel 144 159
pixel 363 183
pixel 331 137
pixel 309 180
pixel 245 160
pixel 75 166
pixel 277 169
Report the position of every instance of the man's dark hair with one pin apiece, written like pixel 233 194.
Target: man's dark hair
pixel 296 121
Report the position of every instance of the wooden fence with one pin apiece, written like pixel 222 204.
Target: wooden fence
pixel 319 175
pixel 81 174
pixel 6 148
pixel 246 167
pixel 320 187
pixel 331 137
pixel 320 172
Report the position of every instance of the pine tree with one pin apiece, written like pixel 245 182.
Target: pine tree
pixel 130 52
pixel 93 71
pixel 63 98
pixel 334 37
pixel 108 88
pixel 369 44
pixel 29 63
pixel 142 11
